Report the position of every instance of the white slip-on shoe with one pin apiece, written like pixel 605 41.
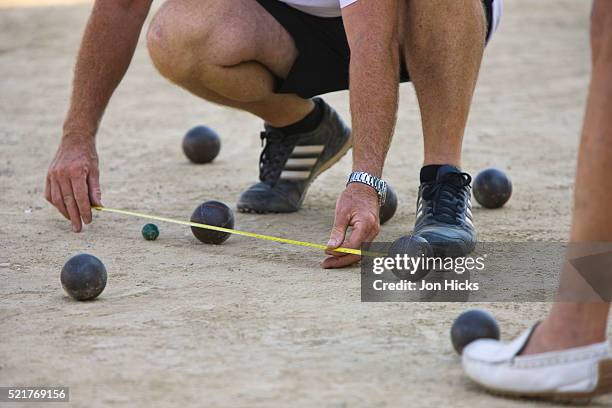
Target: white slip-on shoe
pixel 572 374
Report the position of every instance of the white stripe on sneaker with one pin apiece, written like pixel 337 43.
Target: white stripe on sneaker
pixel 312 149
pixel 294 175
pixel 308 162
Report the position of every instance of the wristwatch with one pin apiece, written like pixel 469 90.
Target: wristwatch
pixel 369 180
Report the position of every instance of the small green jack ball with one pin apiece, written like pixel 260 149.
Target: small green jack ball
pixel 150 232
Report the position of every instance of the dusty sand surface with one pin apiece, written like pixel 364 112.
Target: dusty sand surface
pixel 253 323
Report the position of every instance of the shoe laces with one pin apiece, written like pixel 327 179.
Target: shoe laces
pixel 277 148
pixel 445 197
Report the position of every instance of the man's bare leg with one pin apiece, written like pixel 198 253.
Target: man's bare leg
pixel 443 44
pixel 573 324
pixel 227 52
pixel 443 48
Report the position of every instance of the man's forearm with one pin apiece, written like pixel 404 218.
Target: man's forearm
pixel 374 73
pixel 106 50
pixel 372 33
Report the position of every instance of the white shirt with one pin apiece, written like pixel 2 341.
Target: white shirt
pixel 321 8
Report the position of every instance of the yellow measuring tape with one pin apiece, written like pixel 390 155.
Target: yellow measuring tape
pixel 229 230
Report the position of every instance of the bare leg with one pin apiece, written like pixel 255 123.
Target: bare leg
pixel 573 324
pixel 227 52
pixel 443 48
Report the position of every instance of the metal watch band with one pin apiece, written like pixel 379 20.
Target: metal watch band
pixel 369 180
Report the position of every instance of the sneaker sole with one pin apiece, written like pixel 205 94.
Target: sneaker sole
pixel 333 160
pixel 603 386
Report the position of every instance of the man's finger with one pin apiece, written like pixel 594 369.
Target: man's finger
pixel 335 253
pixel 341 259
pixel 338 232
pixel 57 199
pixel 95 193
pixel 361 233
pixel 70 203
pixel 340 262
pixel 81 196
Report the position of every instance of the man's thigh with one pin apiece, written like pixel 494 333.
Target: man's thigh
pixel 222 32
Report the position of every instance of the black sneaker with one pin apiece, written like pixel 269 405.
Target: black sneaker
pixel 289 163
pixel 444 213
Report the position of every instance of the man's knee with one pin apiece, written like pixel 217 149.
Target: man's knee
pixel 170 39
pixel 186 35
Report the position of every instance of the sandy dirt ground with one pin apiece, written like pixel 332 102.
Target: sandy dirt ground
pixel 253 323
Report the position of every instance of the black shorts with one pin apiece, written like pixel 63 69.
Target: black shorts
pixel 322 64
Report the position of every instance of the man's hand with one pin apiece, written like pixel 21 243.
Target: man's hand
pixel 372 33
pixel 110 38
pixel 73 181
pixel 358 208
